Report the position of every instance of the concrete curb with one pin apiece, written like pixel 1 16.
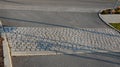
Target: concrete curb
pixel 100 16
pixel 6 50
pixel 34 53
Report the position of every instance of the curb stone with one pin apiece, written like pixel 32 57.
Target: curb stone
pixel 6 50
pixel 100 16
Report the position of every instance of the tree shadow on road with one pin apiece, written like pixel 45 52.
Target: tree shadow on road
pixel 11 1
pixel 97 59
pixel 64 26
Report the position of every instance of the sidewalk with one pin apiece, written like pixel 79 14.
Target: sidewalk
pixel 110 18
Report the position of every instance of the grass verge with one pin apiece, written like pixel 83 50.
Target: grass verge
pixel 116 25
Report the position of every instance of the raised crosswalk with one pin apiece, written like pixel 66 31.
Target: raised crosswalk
pixel 58 40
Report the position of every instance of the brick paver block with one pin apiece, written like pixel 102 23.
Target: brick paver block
pixel 61 40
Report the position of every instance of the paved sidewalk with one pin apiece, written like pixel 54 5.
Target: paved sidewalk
pixel 111 18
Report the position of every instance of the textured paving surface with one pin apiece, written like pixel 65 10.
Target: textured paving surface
pixel 32 40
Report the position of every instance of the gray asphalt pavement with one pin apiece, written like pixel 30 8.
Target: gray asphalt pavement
pixel 79 60
pixel 72 19
pixel 78 13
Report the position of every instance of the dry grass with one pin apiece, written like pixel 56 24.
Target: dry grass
pixel 116 25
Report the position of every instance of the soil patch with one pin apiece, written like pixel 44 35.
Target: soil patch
pixel 1 53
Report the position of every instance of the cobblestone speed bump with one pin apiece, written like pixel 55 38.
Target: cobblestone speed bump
pixel 59 40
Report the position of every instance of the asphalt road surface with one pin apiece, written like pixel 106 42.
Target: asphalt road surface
pixel 81 60
pixel 75 13
pixel 72 13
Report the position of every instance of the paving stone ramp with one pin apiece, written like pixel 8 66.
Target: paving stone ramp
pixel 58 40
